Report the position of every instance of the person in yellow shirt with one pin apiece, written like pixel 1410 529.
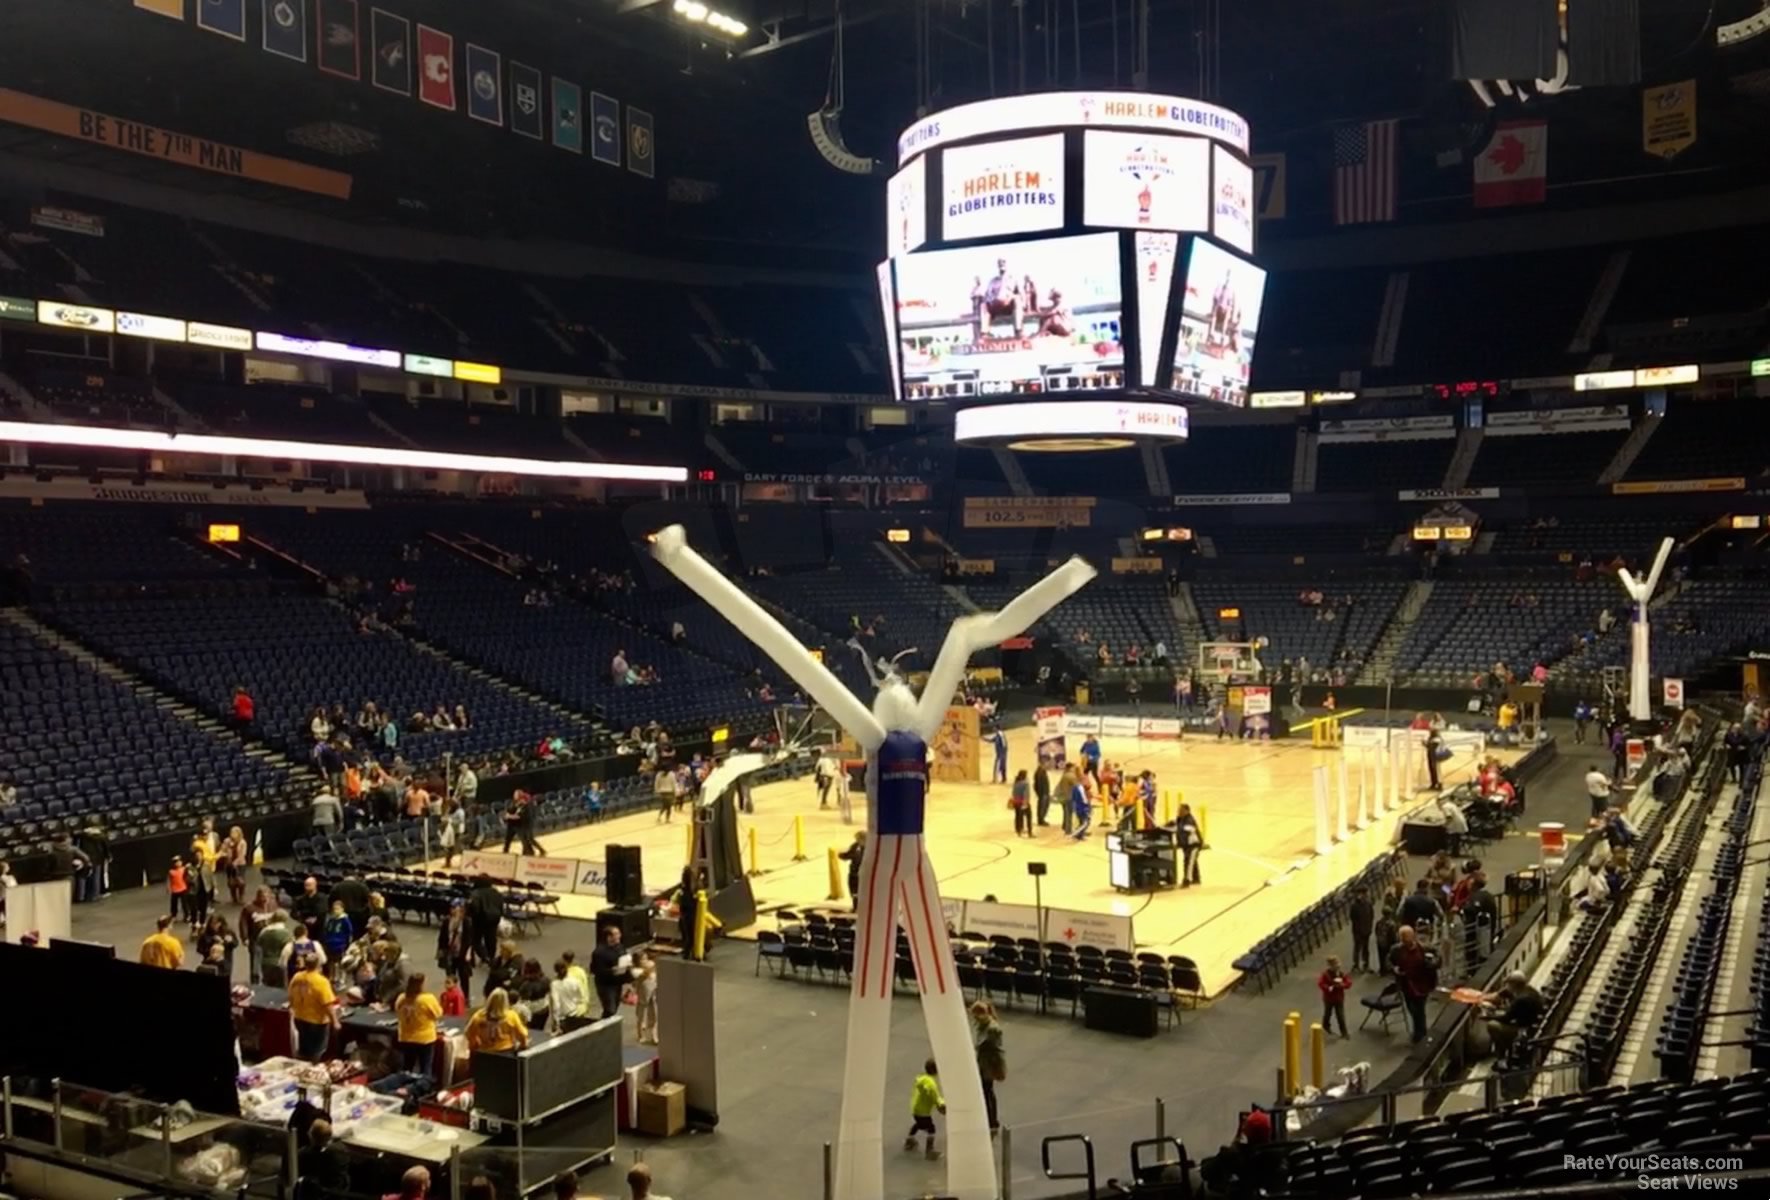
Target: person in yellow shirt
pixel 313 1005
pixel 418 1012
pixel 496 1027
pixel 1508 720
pixel 925 1101
pixel 161 948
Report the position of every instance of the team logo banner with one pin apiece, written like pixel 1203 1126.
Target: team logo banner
pixel 605 129
pixel 340 49
pixel 485 85
pixel 436 67
pixel 1145 181
pixel 999 188
pixel 525 100
pixel 568 117
pixel 226 17
pixel 392 35
pixel 641 147
pixel 285 28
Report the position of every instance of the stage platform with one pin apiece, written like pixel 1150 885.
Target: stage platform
pixel 1259 813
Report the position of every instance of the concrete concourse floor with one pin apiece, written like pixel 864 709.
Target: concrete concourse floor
pixel 781 1045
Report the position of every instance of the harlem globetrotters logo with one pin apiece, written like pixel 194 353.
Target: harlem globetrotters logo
pixel 1145 167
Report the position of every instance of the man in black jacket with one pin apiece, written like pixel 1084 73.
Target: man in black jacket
pixel 485 908
pixel 309 907
pixel 353 893
pixel 608 972
pixel 1479 912
pixel 1363 916
pixel 1419 910
pixel 1042 790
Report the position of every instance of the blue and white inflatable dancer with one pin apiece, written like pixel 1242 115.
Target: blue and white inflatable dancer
pixel 897 880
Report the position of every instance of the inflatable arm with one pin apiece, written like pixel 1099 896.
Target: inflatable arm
pixel 979 631
pixel 672 551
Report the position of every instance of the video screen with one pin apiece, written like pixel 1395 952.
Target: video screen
pixel 1145 181
pixel 906 209
pixel 1219 317
pixel 1156 253
pixel 1002 188
pixel 1025 318
pixel 888 310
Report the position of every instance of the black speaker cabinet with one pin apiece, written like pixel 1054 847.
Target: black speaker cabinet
pixel 625 882
pixel 1120 1010
pixel 634 922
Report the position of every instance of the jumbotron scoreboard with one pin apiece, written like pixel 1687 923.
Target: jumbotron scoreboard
pixel 1072 244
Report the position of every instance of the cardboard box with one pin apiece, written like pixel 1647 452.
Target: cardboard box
pixel 663 1109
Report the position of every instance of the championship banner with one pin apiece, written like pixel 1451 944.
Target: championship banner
pixel 436 67
pixel 151 141
pixel 605 127
pixel 485 85
pixel 1668 487
pixel 1048 727
pixel 391 35
pixel 340 38
pixel 226 17
pixel 1027 512
pixel 285 29
pixel 1668 119
pixel 1269 187
pixel 525 100
pixel 568 117
pixel 641 146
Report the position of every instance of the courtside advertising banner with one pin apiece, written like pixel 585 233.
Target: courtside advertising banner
pixel 1002 188
pixel 1256 701
pixel 1145 181
pixel 1048 722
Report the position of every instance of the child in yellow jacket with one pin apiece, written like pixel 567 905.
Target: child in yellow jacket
pixel 925 1101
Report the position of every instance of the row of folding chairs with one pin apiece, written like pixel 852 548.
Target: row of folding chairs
pixel 1299 938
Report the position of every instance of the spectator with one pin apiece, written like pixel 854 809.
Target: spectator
pixel 269 947
pixel 1416 969
pixel 321 1166
pixel 1419 910
pixel 1523 1009
pixel 1363 918
pixel 1333 982
pixel 413 1185
pixel 639 1183
pixel 496 1028
pixel 618 669
pixel 162 948
pixel 313 1005
pixel 610 967
pixel 1456 825
pixel 245 709
pixel 1598 789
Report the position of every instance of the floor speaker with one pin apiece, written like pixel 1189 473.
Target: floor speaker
pixel 634 923
pixel 625 884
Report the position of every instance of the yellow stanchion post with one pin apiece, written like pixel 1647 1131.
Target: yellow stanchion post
pixel 704 922
pixel 688 842
pixel 755 855
pixel 1291 1055
pixel 1167 807
pixel 798 839
pixel 1204 823
pixel 835 876
pixel 1317 1055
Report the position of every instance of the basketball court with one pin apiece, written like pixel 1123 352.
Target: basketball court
pixel 1256 800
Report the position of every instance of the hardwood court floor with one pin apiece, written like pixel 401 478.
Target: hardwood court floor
pixel 1258 804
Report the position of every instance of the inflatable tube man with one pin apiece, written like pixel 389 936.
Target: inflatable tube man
pixel 897 880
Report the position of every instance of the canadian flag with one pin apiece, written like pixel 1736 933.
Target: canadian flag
pixel 1513 167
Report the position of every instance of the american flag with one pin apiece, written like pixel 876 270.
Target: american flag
pixel 1364 173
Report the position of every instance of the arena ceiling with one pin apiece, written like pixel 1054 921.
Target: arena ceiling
pixel 736 165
